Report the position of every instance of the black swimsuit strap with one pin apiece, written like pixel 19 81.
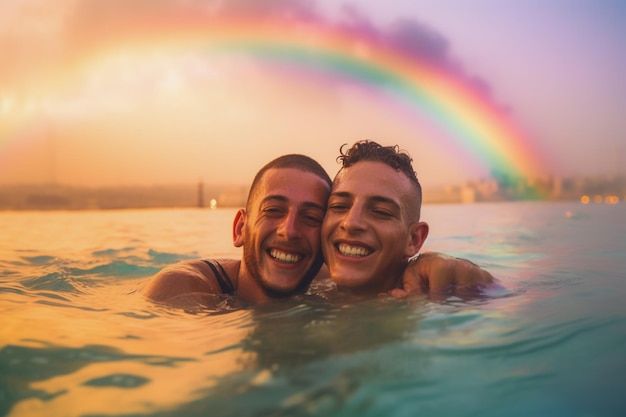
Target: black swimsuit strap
pixel 223 280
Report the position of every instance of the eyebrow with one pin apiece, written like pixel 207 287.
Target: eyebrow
pixel 342 194
pixel 283 199
pixel 375 198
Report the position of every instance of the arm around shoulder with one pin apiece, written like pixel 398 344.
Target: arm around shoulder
pixel 439 273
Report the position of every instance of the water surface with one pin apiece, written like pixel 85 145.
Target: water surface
pixel 77 340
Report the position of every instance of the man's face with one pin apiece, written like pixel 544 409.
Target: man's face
pixel 371 227
pixel 281 233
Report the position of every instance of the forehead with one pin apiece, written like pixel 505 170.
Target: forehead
pixel 293 184
pixel 373 179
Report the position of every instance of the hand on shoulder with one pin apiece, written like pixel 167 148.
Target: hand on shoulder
pixel 439 273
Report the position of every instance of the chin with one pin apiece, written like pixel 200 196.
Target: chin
pixel 283 285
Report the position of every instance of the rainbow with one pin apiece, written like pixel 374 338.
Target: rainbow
pixel 458 117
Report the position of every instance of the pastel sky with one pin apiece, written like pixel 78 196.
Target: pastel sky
pixel 96 92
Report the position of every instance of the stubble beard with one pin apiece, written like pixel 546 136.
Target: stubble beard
pixel 252 265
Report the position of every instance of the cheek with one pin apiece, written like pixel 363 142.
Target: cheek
pixel 395 238
pixel 313 236
pixel 327 225
pixel 260 232
pixel 325 232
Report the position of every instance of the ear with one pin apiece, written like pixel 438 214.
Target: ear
pixel 417 236
pixel 238 223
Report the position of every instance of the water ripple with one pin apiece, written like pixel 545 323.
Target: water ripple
pixel 117 380
pixel 21 366
pixel 53 281
pixel 516 342
pixel 117 268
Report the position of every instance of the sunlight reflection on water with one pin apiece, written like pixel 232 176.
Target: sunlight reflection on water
pixel 77 339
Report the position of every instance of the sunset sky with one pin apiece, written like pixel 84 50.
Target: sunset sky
pixel 140 92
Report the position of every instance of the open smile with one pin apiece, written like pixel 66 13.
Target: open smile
pixel 355 251
pixel 284 257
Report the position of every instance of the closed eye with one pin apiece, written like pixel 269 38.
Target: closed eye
pixel 384 210
pixel 338 207
pixel 312 220
pixel 338 204
pixel 273 211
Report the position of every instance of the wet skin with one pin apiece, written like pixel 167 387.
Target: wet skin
pixel 280 232
pixel 371 227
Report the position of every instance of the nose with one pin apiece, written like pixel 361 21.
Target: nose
pixel 353 218
pixel 289 226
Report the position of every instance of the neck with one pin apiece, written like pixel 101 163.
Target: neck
pixel 248 289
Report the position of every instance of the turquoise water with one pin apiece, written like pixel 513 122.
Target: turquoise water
pixel 77 340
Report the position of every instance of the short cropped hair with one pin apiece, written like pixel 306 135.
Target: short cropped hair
pixel 301 162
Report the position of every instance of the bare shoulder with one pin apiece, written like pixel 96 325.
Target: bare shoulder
pixel 185 277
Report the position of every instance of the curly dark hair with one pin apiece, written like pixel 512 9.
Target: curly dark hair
pixel 393 156
pixel 368 150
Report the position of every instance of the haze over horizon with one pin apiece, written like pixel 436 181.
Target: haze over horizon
pixel 127 118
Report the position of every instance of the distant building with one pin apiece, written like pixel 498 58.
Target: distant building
pixel 468 194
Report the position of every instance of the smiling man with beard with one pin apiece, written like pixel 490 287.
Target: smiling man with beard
pixel 280 233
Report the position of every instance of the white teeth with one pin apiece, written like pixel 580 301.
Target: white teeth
pixel 285 257
pixel 352 250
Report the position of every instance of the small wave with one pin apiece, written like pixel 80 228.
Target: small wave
pixel 203 303
pixel 22 366
pixel 142 315
pixel 57 281
pixel 509 344
pixel 117 268
pixel 12 288
pixel 449 321
pixel 39 260
pixel 69 305
pixel 26 361
pixel 113 252
pixel 118 381
pixel 61 281
pixel 168 258
pixel 52 295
